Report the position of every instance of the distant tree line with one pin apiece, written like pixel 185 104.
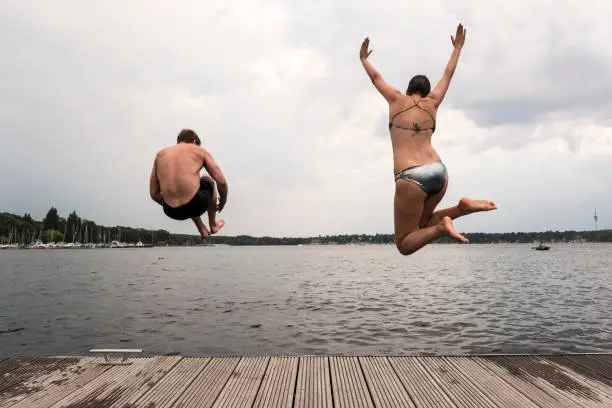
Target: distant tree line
pixel 54 228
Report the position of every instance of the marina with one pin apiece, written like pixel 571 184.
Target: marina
pixel 76 245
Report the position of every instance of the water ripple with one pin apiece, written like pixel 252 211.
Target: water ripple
pixel 445 299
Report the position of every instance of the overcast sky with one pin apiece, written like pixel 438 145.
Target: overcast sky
pixel 91 90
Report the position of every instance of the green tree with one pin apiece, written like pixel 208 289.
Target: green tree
pixel 73 222
pixel 161 236
pixel 51 221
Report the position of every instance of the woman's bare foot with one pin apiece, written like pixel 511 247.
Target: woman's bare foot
pixel 468 206
pixel 218 225
pixel 445 226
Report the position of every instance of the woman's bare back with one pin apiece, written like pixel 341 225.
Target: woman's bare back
pixel 412 121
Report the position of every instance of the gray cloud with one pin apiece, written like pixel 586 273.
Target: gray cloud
pixel 91 91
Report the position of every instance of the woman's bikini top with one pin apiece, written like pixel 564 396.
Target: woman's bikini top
pixel 416 127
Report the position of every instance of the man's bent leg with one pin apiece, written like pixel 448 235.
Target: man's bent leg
pixel 201 227
pixel 215 225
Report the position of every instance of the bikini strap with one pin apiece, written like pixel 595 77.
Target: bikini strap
pixel 402 111
pixel 430 115
pixel 416 104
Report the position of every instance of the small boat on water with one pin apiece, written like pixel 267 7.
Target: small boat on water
pixel 541 247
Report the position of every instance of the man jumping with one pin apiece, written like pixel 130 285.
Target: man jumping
pixel 177 186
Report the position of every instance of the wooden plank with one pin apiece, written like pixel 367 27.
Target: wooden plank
pixel 421 386
pixel 595 365
pixel 575 390
pixel 205 388
pixel 579 373
pixel 606 358
pixel 2 362
pixel 97 392
pixel 313 389
pixel 41 379
pixel 534 388
pixel 55 390
pixel 385 387
pixel 174 383
pixel 542 394
pixel 278 385
pixel 491 385
pixel 461 391
pixel 13 369
pixel 348 383
pixel 342 387
pixel 11 364
pixel 241 389
pixel 25 369
pixel 585 367
pixel 139 384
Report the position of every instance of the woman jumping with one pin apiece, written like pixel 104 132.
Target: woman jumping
pixel 420 176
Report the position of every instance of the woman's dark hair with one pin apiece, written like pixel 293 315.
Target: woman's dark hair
pixel 419 84
pixel 188 136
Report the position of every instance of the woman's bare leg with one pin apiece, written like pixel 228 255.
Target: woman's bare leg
pixel 431 202
pixel 464 207
pixel 409 205
pixel 421 237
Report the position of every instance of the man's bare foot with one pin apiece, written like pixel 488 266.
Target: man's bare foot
pixel 446 227
pixel 203 232
pixel 468 206
pixel 201 227
pixel 218 225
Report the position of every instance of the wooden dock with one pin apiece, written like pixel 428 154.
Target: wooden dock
pixel 518 381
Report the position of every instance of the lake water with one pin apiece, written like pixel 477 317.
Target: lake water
pixel 350 300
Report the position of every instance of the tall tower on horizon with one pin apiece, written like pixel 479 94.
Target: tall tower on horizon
pixel 595 218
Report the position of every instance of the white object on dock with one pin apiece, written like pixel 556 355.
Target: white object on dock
pixel 124 352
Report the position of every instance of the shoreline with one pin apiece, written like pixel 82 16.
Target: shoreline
pixel 331 244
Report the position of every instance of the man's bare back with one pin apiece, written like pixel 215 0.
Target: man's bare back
pixel 178 170
pixel 177 186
